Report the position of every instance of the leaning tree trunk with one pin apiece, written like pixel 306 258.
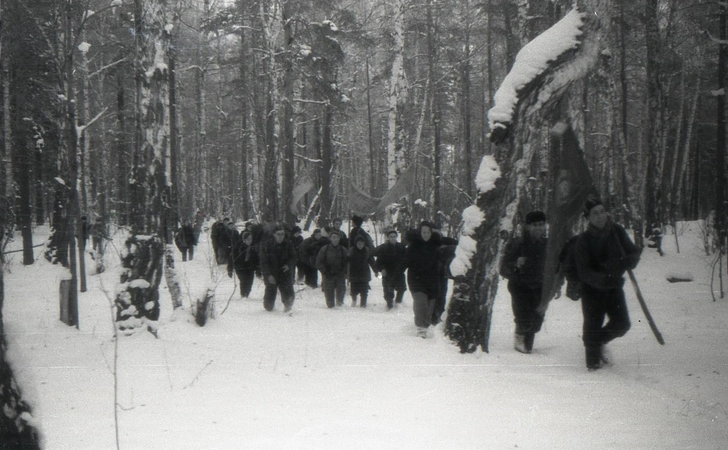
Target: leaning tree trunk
pixel 137 303
pixel 543 71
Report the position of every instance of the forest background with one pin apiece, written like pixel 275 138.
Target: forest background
pixel 294 110
pixel 140 113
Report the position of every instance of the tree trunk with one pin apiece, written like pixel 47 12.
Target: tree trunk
pixel 720 142
pixel 395 159
pixel 286 122
pixel 477 261
pixel 138 304
pixel 653 173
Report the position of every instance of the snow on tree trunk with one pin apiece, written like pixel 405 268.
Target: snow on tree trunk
pixel 172 277
pixel 543 70
pixel 395 155
pixel 138 299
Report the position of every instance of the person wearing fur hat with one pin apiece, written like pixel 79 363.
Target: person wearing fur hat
pixel 388 257
pixel 523 265
pixel 603 253
pixel 360 259
pixel 423 275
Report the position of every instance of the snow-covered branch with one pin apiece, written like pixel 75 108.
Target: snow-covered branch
pixel 534 60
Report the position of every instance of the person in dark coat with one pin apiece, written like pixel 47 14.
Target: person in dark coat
pixel 277 262
pixel 332 262
pixel 297 241
pixel 245 262
pixel 357 230
pixel 523 265
pixel 310 248
pixel 98 234
pixel 388 257
pixel 336 226
pixel 225 241
pixel 603 253
pixel 446 253
pixel 360 260
pixel 186 239
pixel 216 231
pixel 423 275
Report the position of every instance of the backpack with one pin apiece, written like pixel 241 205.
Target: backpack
pixel 567 266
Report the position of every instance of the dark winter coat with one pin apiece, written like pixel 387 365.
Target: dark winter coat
pixel 244 257
pixel 185 237
pixel 424 268
pixel 530 274
pixel 273 256
pixel 311 247
pixel 359 262
pixel 215 231
pixel 332 261
pixel 602 256
pixel 359 231
pixel 297 243
pixel 388 257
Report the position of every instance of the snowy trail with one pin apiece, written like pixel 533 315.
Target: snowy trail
pixel 354 378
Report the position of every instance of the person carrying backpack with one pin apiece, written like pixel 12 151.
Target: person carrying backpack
pixel 603 253
pixel 523 266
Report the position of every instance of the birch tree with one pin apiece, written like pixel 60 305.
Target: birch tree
pixel 137 303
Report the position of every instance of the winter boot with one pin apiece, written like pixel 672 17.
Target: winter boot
pixel 519 343
pixel 422 332
pixel 528 339
pixel 353 301
pixel 363 301
pixel 593 358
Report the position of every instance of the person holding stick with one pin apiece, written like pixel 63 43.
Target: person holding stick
pixel 603 253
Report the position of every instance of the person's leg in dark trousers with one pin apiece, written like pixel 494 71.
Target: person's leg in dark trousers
pixel 329 288
pixel 183 250
pixel 287 294
pixel 269 298
pixel 388 288
pixel 618 322
pixel 528 320
pixel 594 310
pixel 246 277
pixel 191 250
pixel 311 276
pixel 340 289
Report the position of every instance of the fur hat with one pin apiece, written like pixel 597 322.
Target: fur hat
pixel 591 203
pixel 392 231
pixel 357 220
pixel 295 229
pixel 535 216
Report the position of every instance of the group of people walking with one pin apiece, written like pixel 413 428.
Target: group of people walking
pixel 600 256
pixel 594 263
pixel 281 257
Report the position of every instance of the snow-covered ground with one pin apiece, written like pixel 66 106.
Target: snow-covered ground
pixel 359 379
